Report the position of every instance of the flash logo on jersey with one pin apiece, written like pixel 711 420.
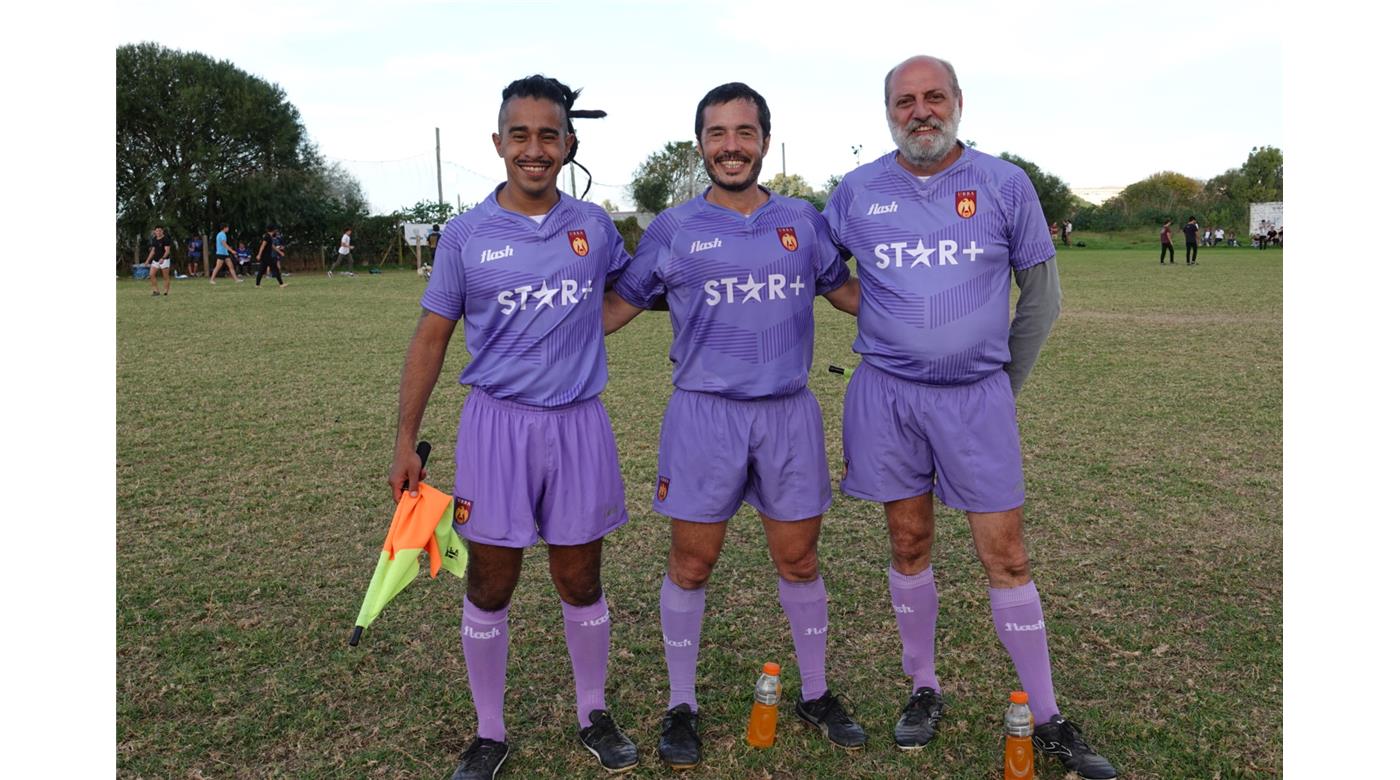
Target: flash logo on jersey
pixel 462 512
pixel 788 236
pixel 663 486
pixel 967 203
pixel 578 240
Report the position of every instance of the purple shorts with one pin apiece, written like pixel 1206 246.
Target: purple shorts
pixel 718 452
pixel 526 473
pixel 900 437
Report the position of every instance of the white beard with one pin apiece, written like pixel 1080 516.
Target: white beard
pixel 925 152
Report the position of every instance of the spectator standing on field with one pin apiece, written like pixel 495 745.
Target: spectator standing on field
pixel 270 256
pixel 159 259
pixel 1191 229
pixel 1065 230
pixel 343 253
pixel 1167 248
pixel 1219 236
pixel 433 237
pixel 194 249
pixel 223 254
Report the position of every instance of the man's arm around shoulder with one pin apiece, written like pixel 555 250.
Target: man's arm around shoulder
pixel 846 297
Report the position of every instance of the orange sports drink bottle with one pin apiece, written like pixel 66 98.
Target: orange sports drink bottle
pixel 763 718
pixel 1020 756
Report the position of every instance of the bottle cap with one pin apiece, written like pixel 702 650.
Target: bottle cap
pixel 1019 697
pixel 771 668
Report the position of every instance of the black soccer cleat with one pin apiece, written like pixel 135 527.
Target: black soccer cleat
pixel 918 722
pixel 1063 739
pixel 680 737
pixel 481 760
pixel 607 743
pixel 827 714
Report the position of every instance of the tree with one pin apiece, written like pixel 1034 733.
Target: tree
pixel 794 186
pixel 200 141
pixel 1161 196
pixel 1055 198
pixel 668 177
pixel 1262 175
pixel 428 212
pixel 609 206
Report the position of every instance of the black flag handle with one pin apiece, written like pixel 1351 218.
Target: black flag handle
pixel 423 450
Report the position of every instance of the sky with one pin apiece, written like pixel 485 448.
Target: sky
pixel 1097 93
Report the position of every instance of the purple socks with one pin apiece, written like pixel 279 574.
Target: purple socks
pixel 588 633
pixel 682 612
pixel 485 640
pixel 1020 625
pixel 915 601
pixel 805 605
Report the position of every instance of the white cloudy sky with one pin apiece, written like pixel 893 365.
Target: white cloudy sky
pixel 1098 93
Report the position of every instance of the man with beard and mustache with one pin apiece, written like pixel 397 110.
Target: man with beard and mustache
pixel 938 230
pixel 740 268
pixel 536 457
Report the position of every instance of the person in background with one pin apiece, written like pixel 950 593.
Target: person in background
pixel 343 252
pixel 1191 229
pixel 223 255
pixel 269 256
pixel 159 259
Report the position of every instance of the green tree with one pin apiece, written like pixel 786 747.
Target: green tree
pixel 200 141
pixel 1055 198
pixel 428 212
pixel 1161 196
pixel 1262 175
pixel 631 232
pixel 668 177
pixel 794 186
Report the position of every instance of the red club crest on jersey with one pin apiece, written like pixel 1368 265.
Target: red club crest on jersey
pixel 663 486
pixel 788 236
pixel 463 511
pixel 579 241
pixel 967 203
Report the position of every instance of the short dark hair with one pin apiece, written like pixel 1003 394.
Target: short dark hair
pixel 725 93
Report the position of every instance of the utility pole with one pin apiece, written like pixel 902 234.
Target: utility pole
pixel 437 133
pixel 784 147
pixel 573 181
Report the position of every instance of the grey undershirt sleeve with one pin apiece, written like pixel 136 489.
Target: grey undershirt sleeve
pixel 1036 311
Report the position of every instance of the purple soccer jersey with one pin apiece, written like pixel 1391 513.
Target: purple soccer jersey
pixel 532 297
pixel 935 259
pixel 740 291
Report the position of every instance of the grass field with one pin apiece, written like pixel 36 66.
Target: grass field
pixel 253 433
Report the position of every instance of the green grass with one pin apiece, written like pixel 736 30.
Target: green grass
pixel 253 433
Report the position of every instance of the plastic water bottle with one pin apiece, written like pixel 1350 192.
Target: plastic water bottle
pixel 763 718
pixel 1020 756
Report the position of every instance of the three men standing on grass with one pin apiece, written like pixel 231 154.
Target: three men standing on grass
pixel 937 229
